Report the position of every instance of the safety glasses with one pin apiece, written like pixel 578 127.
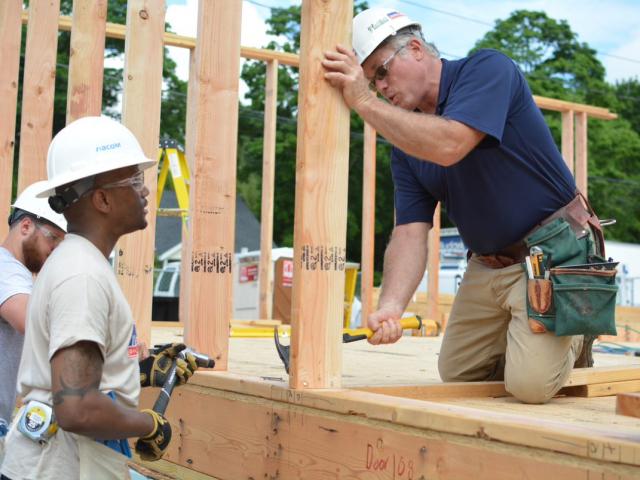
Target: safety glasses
pixel 382 71
pixel 135 181
pixel 49 235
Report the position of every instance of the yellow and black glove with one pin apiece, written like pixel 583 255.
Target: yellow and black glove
pixel 154 368
pixel 153 446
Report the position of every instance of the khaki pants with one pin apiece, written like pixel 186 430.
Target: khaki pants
pixel 488 337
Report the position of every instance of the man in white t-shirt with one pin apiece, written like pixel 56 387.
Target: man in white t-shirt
pixel 80 352
pixel 34 231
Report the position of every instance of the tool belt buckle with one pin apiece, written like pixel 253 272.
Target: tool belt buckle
pixel 36 421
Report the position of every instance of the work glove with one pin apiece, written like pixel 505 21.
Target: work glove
pixel 154 368
pixel 153 446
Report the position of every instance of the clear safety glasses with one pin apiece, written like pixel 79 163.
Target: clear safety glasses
pixel 135 181
pixel 382 71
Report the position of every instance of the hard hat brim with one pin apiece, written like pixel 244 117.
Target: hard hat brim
pixel 50 186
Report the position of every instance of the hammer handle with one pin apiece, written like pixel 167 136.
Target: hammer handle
pixel 408 323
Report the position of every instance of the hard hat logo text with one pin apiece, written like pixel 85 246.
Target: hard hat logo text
pixel 376 25
pixel 104 148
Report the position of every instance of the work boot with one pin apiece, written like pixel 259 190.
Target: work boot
pixel 585 359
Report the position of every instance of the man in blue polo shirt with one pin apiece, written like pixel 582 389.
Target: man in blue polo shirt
pixel 466 133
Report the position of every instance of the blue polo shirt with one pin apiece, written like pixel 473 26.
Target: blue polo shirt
pixel 513 179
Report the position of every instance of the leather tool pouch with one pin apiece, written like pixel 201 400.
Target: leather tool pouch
pixel 572 301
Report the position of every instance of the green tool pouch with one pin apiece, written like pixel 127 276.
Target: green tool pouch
pixel 573 301
pixel 584 300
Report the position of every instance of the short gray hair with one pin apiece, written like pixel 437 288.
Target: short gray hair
pixel 405 35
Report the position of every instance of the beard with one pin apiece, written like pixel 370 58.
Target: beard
pixel 33 257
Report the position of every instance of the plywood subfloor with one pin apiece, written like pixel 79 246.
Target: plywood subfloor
pixel 411 361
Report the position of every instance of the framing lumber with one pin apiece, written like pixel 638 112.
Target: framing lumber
pixel 118 31
pixel 86 59
pixel 190 131
pixel 568 139
pixel 322 171
pixel 433 268
pixel 581 171
pixel 213 181
pixel 10 39
pixel 564 106
pixel 142 86
pixel 38 88
pixel 367 256
pixel 317 433
pixel 265 274
pixel 588 376
pixel 603 389
pixel 628 404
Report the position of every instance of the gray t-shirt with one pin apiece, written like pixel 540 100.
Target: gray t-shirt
pixel 14 279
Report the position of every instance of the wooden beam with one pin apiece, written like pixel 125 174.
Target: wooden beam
pixel 289 425
pixel 86 59
pixel 38 88
pixel 322 171
pixel 628 404
pixel 443 390
pixel 213 180
pixel 142 87
pixel 10 38
pixel 367 261
pixel 587 376
pixel 568 139
pixel 433 268
pixel 190 133
pixel 118 31
pixel 581 153
pixel 265 275
pixel 564 106
pixel 602 389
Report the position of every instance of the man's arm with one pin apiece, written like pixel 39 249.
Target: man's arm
pixel 78 404
pixel 405 260
pixel 422 135
pixel 14 311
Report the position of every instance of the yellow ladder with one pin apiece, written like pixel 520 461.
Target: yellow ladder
pixel 172 161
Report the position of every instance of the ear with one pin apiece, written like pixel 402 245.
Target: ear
pixel 416 49
pixel 27 226
pixel 101 200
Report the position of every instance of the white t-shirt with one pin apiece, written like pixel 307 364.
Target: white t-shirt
pixel 14 279
pixel 76 297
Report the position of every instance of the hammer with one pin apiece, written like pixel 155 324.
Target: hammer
pixel 348 335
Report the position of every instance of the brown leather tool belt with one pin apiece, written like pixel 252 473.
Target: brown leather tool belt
pixel 578 213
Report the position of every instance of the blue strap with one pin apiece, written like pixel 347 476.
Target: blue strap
pixel 120 446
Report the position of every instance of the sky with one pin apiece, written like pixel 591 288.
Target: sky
pixel 611 27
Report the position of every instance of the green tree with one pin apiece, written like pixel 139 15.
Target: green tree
pixel 556 64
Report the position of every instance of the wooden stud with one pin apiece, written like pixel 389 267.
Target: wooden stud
pixel 628 404
pixel 587 376
pixel 10 37
pixel 568 139
pixel 433 269
pixel 265 275
pixel 367 265
pixel 37 91
pixel 322 171
pixel 190 131
pixel 546 103
pixel 602 389
pixel 141 114
pixel 86 59
pixel 581 153
pixel 213 181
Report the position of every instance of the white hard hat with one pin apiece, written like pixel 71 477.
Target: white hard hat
pixel 89 146
pixel 373 26
pixel 39 207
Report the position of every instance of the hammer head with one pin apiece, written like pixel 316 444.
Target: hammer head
pixel 283 350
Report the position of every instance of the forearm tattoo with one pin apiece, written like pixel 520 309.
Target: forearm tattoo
pixel 80 372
